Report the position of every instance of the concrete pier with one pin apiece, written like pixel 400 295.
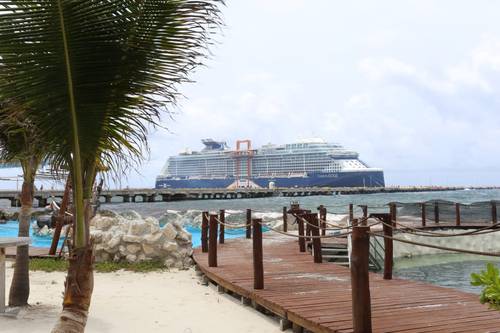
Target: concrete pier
pixel 159 195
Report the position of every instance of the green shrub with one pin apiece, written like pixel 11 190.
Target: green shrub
pixel 490 281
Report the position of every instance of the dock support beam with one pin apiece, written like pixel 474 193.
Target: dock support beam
pixel 351 212
pixel 222 219
pixel 204 232
pixel 302 240
pixel 249 224
pixel 361 307
pixel 322 218
pixel 457 213
pixel 422 205
pixel 436 212
pixel 494 218
pixel 388 246
pixel 285 219
pixel 258 265
pixel 313 219
pixel 212 241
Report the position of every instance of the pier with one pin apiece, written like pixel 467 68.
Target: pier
pixel 42 198
pixel 285 274
pixel 317 296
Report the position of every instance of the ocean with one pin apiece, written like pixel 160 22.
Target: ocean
pixel 452 273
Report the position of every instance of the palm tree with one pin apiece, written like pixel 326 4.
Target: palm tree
pixel 95 76
pixel 19 142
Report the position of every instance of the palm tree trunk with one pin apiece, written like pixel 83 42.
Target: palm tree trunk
pixel 20 286
pixel 78 286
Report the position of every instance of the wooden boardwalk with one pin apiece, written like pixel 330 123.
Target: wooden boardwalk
pixel 34 252
pixel 317 297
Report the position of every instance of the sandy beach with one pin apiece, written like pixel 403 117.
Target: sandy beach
pixel 172 301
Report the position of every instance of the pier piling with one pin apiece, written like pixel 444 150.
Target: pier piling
pixel 422 206
pixel 322 217
pixel 494 218
pixel 204 232
pixel 436 212
pixel 361 307
pixel 302 240
pixel 313 219
pixel 249 224
pixel 457 213
pixel 258 265
pixel 212 241
pixel 285 219
pixel 222 219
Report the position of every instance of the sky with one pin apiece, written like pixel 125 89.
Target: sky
pixel 413 86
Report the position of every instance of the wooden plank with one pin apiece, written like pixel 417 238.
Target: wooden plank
pixel 317 297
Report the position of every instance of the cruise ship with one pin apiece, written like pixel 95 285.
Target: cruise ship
pixel 306 163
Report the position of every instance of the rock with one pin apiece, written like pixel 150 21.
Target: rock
pixel 131 258
pixel 169 263
pixel 153 238
pixel 131 215
pixel 45 231
pixel 170 246
pixel 170 232
pixel 132 239
pixel 115 240
pixel 103 222
pixel 187 262
pixel 133 248
pixel 138 227
pixel 149 250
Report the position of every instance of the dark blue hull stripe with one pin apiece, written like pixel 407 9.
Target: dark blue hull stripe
pixel 341 179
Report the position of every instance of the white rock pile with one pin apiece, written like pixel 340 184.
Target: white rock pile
pixel 129 237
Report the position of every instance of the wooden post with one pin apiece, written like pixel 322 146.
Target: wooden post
pixel 302 240
pixel 393 211
pixel 361 307
pixel 60 217
pixel 457 213
pixel 422 205
pixel 2 280
pixel 365 210
pixel 212 241
pixel 354 222
pixel 494 218
pixel 204 232
pixel 436 212
pixel 285 219
pixel 388 246
pixel 313 219
pixel 351 212
pixel 222 219
pixel 322 217
pixel 249 223
pixel 258 265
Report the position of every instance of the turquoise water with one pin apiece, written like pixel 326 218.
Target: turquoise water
pixel 196 232
pixel 11 228
pixel 446 270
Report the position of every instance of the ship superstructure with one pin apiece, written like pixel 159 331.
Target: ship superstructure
pixel 306 163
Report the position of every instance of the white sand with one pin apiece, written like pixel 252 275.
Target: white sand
pixel 135 302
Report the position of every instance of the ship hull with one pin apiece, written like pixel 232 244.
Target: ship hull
pixel 339 179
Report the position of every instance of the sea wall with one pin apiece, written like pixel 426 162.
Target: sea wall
pixel 129 237
pixel 484 243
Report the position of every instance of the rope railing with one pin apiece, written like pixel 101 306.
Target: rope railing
pixel 232 226
pixel 426 233
pixel 444 248
pixel 341 235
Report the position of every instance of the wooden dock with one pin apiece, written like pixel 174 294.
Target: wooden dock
pixel 317 297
